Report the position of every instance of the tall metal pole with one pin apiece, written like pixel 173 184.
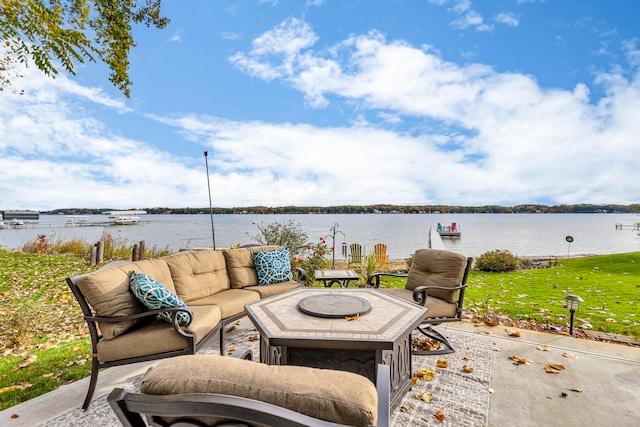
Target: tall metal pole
pixel 213 233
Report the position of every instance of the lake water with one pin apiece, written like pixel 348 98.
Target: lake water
pixel 521 234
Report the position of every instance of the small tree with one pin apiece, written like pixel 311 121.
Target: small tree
pixel 288 233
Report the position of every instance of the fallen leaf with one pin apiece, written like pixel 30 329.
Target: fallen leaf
pixel 14 416
pixel 427 396
pixel 519 360
pixel 439 414
pixel 356 317
pixel 231 350
pixel 491 322
pixel 21 386
pixel 543 347
pixel 554 368
pixel 232 328
pixel 577 390
pixel 442 363
pixel 490 390
pixel 495 348
pixel 414 380
pixel 467 369
pixel 512 333
pixel 569 355
pixel 405 408
pixel 426 374
pixel 28 361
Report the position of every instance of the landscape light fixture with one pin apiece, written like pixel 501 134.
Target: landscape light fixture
pixel 572 304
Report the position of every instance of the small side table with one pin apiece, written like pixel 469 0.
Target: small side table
pixel 331 277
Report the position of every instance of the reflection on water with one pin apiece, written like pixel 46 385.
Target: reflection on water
pixel 521 234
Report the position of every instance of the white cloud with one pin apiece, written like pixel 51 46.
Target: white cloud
pixel 471 19
pixel 524 136
pixel 507 19
pixel 176 37
pixel 228 35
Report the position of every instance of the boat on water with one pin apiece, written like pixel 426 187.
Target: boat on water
pixel 16 223
pixel 124 217
pixel 452 230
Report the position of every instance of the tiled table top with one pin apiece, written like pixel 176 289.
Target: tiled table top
pixel 277 317
pixel 335 274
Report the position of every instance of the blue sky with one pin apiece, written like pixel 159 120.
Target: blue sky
pixel 341 102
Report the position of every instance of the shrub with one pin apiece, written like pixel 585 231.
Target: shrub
pixel 497 261
pixel 312 258
pixel 367 266
pixel 288 233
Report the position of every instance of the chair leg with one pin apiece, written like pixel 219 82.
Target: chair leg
pixel 431 333
pixel 222 340
pixel 95 368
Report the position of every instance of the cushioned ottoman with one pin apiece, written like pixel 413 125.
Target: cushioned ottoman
pixel 336 396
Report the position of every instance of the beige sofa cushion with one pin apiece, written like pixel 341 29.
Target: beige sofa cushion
pixel 275 289
pixel 240 265
pixel 231 301
pixel 434 267
pixel 158 336
pixel 198 274
pixel 336 396
pixel 107 291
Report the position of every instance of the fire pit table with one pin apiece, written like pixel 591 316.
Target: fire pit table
pixel 345 329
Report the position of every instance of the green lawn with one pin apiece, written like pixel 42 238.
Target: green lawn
pixel 608 284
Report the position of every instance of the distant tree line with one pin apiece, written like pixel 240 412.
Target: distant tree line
pixel 373 209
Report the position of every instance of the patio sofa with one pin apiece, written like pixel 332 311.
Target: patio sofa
pixel 213 285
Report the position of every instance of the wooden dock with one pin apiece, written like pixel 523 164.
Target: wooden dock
pixel 634 226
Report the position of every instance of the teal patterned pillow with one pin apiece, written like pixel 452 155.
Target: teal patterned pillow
pixel 155 295
pixel 273 266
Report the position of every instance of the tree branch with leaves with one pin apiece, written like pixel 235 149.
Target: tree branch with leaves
pixel 65 33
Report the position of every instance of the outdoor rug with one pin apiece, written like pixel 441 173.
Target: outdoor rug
pixel 460 396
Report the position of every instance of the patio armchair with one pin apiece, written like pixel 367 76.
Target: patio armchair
pixel 213 390
pixel 437 280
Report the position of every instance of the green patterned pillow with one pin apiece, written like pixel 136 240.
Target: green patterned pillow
pixel 154 295
pixel 273 266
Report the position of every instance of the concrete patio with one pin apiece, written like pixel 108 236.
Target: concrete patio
pixel 600 384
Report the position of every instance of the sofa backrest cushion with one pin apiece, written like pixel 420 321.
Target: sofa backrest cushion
pixel 336 396
pixel 198 274
pixel 240 265
pixel 434 267
pixel 107 292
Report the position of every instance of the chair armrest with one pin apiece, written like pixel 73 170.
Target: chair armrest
pixel 383 386
pixel 149 313
pixel 374 279
pixel 300 274
pixel 420 293
pixel 144 314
